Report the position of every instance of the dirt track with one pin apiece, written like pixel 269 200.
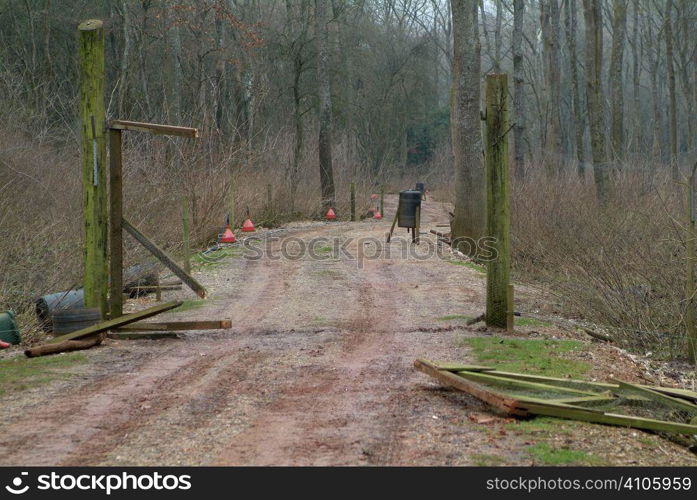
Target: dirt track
pixel 317 370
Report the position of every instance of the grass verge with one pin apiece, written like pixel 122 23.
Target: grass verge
pixel 20 373
pixel 531 356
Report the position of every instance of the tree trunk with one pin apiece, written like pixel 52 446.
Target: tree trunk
pixel 326 174
pixel 592 14
pixel 672 105
pixel 465 123
pixel 518 94
pixel 636 78
pixel 549 20
pixel 578 122
pixel 619 25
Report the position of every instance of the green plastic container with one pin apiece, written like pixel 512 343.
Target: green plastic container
pixel 8 328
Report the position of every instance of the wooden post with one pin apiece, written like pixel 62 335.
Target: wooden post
pixel 510 314
pixel 185 235
pixel 353 201
pixel 115 230
pixel 690 327
pixel 94 180
pixel 269 198
pixel 382 200
pixel 497 202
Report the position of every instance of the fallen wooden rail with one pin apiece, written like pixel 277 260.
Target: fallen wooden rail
pixel 117 322
pixel 176 326
pixel 498 390
pixel 68 345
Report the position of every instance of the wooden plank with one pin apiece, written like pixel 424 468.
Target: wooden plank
pixel 117 322
pixel 588 415
pixel 503 403
pixel 162 257
pixel 155 128
pixel 664 399
pixel 152 288
pixel 561 382
pixel 115 230
pixel 141 336
pixel 177 326
pixel 490 377
pixel 675 392
pixel 457 367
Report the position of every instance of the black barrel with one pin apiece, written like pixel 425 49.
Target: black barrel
pixel 48 305
pixel 409 200
pixel 70 320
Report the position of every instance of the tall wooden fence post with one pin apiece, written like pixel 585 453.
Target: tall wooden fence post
pixel 382 200
pixel 691 328
pixel 115 228
pixel 497 202
pixel 353 201
pixel 94 180
pixel 185 234
pixel 269 198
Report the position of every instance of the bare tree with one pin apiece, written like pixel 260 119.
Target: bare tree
pixel 326 173
pixel 578 122
pixel 549 20
pixel 592 14
pixel 465 122
pixel 672 99
pixel 619 24
pixel 518 89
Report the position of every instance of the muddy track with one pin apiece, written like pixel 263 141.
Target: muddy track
pixel 317 370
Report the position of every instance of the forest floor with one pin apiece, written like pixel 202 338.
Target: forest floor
pixel 317 370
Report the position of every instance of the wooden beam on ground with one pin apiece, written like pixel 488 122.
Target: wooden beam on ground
pixel 153 288
pixel 117 322
pixel 141 336
pixel 68 345
pixel 162 257
pixel 176 326
pixel 663 399
pixel 589 415
pixel 491 378
pixel 155 128
pixel 503 403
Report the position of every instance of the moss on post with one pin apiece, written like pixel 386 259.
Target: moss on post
pixel 94 180
pixel 497 202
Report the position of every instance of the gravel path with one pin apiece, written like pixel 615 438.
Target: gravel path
pixel 317 370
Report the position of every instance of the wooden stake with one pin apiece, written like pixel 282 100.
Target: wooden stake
pixel 382 200
pixel 497 202
pixel 94 180
pixel 510 316
pixel 690 325
pixel 185 235
pixel 353 201
pixel 269 198
pixel 186 278
pixel 115 230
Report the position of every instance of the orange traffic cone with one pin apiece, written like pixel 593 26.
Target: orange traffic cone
pixel 228 236
pixel 248 227
pixel 377 215
pixel 330 214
